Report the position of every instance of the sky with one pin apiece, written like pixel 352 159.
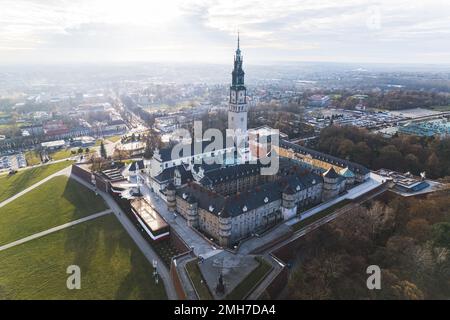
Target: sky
pixel 96 31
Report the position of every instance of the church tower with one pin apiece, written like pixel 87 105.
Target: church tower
pixel 237 110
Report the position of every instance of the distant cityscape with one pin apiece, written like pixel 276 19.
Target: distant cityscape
pixel 233 167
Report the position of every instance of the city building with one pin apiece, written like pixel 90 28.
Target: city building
pixel 231 200
pixel 55 128
pixel 319 101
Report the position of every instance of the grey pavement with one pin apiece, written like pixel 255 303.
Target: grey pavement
pixel 277 266
pixel 185 280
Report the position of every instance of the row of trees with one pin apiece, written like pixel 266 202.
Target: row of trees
pixel 409 239
pixel 401 153
pixel 393 99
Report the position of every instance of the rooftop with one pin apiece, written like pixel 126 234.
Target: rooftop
pixel 151 218
pixel 354 167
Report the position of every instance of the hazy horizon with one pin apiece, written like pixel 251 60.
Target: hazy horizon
pixel 197 31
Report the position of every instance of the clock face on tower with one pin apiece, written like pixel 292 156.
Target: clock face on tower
pixel 241 97
pixel 233 96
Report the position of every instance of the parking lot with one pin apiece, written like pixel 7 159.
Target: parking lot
pixel 13 162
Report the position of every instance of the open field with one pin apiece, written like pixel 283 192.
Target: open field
pixel 67 153
pixel 111 265
pixel 62 154
pixel 198 281
pixel 58 201
pixel 13 184
pixel 257 275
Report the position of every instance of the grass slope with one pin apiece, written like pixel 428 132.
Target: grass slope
pixel 112 267
pixel 198 281
pixel 320 215
pixel 32 158
pixel 58 201
pixel 11 185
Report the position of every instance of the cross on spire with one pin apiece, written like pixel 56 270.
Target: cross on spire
pixel 238 40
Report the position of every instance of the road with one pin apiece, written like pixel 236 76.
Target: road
pixel 51 230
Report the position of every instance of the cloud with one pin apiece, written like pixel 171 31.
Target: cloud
pixel 205 30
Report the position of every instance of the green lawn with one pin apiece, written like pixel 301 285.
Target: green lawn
pixel 58 201
pixel 198 281
pixel 111 265
pixel 243 288
pixel 11 185
pixel 319 215
pixel 67 153
pixel 32 158
pixel 62 154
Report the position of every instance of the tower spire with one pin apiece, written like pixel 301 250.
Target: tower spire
pixel 238 40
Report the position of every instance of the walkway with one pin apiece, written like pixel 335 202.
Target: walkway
pixel 51 230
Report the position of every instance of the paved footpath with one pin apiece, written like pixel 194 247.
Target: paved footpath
pixel 51 230
pixel 65 171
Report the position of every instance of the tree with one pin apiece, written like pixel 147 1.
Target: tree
pixel 441 234
pixel 418 229
pixel 406 290
pixel 103 153
pixel 433 165
pixel 412 162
